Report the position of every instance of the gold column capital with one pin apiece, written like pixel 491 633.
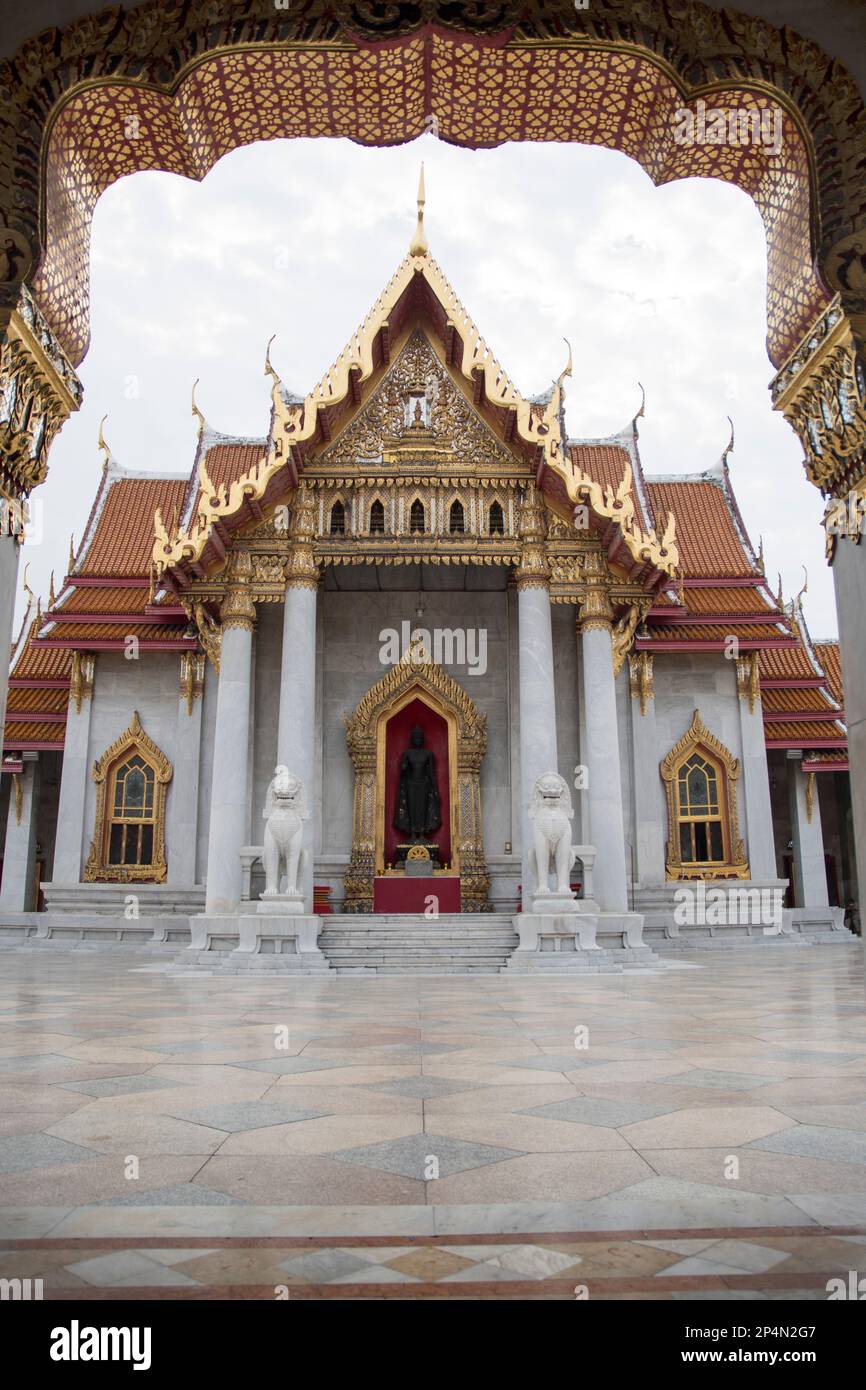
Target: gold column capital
pixel 640 679
pixel 238 608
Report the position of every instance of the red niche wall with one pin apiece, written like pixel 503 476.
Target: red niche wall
pixel 435 727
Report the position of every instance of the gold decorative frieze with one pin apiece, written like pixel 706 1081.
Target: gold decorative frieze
pixel 596 610
pixel 533 572
pixel 640 679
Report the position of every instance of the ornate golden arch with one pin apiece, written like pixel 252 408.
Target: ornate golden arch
pixel 416 676
pixel 698 738
pixel 132 740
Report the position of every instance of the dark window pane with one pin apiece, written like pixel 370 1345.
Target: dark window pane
pixel 686 844
pixel 146 856
pixel 416 518
pixel 130 853
pixel 135 788
pixel 717 852
pixel 700 842
pixel 338 519
pixel 496 520
pixel 455 520
pixel 115 845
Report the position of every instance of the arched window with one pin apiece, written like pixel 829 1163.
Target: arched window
pixel 129 831
pixel 699 812
pixel 701 776
pixel 131 826
pixel 338 520
pixel 495 520
pixel 456 522
pixel 377 519
pixel 416 518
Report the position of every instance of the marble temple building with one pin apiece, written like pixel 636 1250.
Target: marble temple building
pixel 412 642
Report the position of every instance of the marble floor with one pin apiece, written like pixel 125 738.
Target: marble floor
pixel 694 1132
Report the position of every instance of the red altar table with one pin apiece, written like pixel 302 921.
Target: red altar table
pixel 396 893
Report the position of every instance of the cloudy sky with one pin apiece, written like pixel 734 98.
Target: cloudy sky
pixel 664 286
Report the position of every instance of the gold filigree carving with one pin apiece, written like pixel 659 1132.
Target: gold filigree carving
pixel 698 737
pixel 749 679
pixel 19 797
pixel 622 637
pixel 640 679
pixel 97 869
pixel 81 676
pixel 810 796
pixel 191 678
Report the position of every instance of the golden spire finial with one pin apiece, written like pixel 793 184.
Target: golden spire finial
pixel 71 551
pixel 799 599
pixel 101 444
pixel 759 558
pixel 641 412
pixel 418 244
pixel 52 598
pixel 27 589
pixel 730 447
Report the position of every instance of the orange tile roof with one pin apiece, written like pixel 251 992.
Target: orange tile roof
pixel 113 600
pixel 36 701
pixel 828 655
pixel 18 732
pixel 715 632
pixel 796 699
pixel 793 733
pixel 606 463
pixel 82 633
pixel 747 599
pixel 42 663
pixel 706 535
pixel 123 539
pixel 790 663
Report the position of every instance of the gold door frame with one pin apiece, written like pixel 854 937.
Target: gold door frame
pixel 415 677
pixel 416 692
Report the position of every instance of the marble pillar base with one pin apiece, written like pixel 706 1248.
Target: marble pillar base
pixel 277 935
pixel 533 927
pixel 281 904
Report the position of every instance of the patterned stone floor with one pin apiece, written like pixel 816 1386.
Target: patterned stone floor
pixel 695 1132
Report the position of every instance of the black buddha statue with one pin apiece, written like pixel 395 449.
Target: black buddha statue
pixel 418 810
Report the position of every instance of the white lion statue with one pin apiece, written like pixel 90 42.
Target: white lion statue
pixel 551 815
pixel 284 815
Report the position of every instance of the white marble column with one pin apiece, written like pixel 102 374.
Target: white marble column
pixel 296 733
pixel 649 800
pixel 182 812
pixel 537 708
pixel 71 830
pixel 810 873
pixel 760 846
pixel 9 549
pixel 18 888
pixel 229 821
pixel 604 784
pixel 849 578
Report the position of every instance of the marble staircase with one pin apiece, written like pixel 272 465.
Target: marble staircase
pixel 468 943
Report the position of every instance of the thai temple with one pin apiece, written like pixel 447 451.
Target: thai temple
pixel 418 676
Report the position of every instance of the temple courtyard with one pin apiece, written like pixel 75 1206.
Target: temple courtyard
pixel 694 1130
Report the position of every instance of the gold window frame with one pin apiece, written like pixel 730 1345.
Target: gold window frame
pixel 698 739
pixel 132 741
